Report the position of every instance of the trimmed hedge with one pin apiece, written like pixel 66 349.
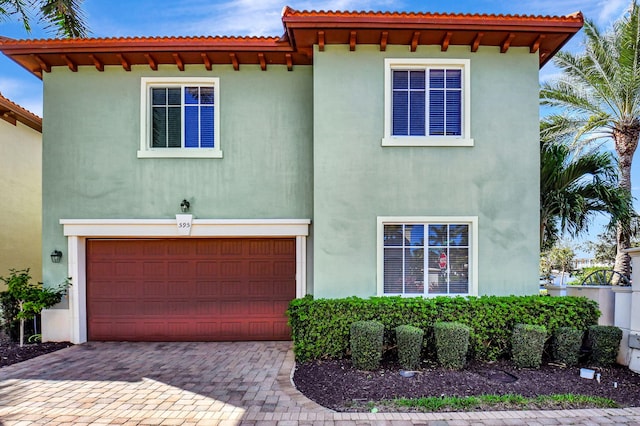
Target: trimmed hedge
pixel 366 344
pixel 528 345
pixel 409 340
pixel 605 343
pixel 320 328
pixel 452 344
pixel 567 342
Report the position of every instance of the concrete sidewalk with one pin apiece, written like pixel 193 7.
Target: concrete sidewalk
pixel 242 383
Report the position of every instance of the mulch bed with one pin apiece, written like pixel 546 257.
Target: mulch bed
pixel 11 353
pixel 337 385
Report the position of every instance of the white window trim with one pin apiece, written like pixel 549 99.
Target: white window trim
pixel 145 119
pixel 78 231
pixel 393 63
pixel 473 246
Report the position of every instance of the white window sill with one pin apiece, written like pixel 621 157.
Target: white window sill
pixel 425 141
pixel 180 153
pixel 426 296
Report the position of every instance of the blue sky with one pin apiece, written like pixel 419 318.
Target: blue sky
pixel 116 18
pixel 119 18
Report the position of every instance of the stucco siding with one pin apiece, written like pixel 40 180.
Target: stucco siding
pixel 92 135
pixel 358 180
pixel 21 194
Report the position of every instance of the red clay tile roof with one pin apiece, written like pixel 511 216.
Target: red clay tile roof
pixel 544 35
pixel 12 112
pixel 369 15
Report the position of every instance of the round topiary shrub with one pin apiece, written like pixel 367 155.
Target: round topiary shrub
pixel 566 345
pixel 605 343
pixel 366 344
pixel 452 344
pixel 409 339
pixel 527 345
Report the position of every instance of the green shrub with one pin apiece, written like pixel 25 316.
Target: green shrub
pixel 452 344
pixel 9 321
pixel 320 328
pixel 604 341
pixel 566 345
pixel 528 345
pixel 366 344
pixel 409 340
pixel 31 298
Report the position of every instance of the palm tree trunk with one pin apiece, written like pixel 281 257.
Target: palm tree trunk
pixel 626 142
pixel 623 260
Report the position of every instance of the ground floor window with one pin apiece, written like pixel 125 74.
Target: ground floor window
pixel 426 257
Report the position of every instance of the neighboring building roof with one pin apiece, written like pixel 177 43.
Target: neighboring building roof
pixel 12 112
pixel 303 29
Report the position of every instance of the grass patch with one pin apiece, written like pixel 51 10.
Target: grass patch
pixel 497 402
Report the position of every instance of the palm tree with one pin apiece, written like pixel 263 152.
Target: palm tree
pixel 574 188
pixel 599 94
pixel 65 16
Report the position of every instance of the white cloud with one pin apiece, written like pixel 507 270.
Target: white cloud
pixel 253 17
pixel 25 93
pixel 602 12
pixel 610 10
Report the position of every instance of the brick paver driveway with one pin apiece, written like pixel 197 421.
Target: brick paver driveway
pixel 204 383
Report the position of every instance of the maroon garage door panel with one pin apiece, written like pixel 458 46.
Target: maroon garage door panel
pixel 190 289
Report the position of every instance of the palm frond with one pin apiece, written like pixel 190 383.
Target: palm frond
pixel 66 16
pixel 9 8
pixel 576 187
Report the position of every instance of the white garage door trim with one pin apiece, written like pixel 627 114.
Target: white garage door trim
pixel 78 230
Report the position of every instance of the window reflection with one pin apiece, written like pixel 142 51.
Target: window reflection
pixel 445 270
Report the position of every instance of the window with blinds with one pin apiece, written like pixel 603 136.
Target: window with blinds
pixel 191 105
pixel 426 258
pixel 182 118
pixel 427 103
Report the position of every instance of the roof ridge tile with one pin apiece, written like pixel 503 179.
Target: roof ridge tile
pixel 368 13
pixel 138 38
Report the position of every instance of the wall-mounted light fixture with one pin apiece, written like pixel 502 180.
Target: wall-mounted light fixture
pixel 56 256
pixel 184 206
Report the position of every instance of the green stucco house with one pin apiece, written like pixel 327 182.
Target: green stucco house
pixel 196 185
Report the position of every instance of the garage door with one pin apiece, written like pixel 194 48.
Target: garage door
pixel 190 289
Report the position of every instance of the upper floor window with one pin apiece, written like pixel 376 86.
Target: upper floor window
pixel 427 103
pixel 180 118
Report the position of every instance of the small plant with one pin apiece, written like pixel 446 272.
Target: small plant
pixel 409 339
pixel 566 345
pixel 366 344
pixel 35 338
pixel 452 344
pixel 528 345
pixel 605 343
pixel 31 298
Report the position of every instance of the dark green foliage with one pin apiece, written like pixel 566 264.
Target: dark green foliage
pixel 409 340
pixel 24 300
pixel 9 323
pixel 605 343
pixel 528 345
pixel 566 345
pixel 452 344
pixel 366 344
pixel 320 328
